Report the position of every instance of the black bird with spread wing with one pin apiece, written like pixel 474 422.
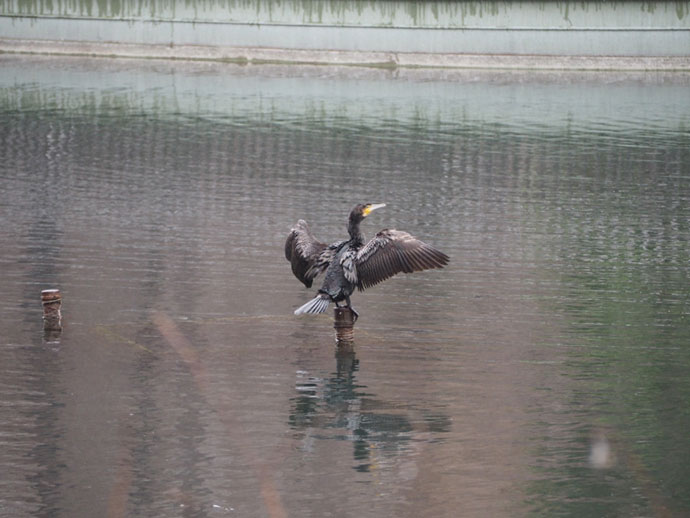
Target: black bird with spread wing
pixel 355 263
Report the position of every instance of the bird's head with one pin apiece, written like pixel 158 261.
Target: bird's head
pixel 362 210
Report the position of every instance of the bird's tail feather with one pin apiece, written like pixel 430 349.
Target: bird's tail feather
pixel 318 304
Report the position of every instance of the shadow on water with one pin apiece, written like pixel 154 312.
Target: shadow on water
pixel 337 408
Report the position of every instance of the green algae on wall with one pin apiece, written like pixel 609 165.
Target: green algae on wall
pixel 382 13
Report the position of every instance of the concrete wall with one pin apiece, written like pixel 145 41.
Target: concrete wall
pixel 355 31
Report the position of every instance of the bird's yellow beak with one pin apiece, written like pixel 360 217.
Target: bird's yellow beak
pixel 371 208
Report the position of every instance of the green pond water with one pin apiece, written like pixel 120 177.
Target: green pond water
pixel 544 372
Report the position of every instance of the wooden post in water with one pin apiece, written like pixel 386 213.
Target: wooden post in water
pixel 344 327
pixel 52 316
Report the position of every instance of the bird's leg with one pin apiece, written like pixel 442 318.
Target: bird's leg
pixel 348 305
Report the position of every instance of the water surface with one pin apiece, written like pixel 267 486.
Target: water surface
pixel 542 373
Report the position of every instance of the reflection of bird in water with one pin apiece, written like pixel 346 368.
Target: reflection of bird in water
pixel 355 263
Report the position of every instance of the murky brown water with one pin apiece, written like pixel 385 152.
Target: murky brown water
pixel 543 373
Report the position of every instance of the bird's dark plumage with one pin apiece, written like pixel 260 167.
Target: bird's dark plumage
pixel 303 251
pixel 355 263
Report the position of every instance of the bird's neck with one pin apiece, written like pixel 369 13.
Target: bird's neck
pixel 355 233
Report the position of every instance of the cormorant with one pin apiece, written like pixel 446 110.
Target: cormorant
pixel 355 263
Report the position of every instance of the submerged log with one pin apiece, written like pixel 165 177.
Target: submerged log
pixel 344 327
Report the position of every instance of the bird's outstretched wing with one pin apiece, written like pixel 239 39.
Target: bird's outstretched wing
pixel 394 251
pixel 307 255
